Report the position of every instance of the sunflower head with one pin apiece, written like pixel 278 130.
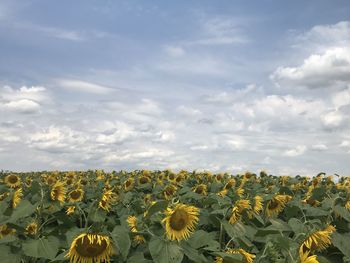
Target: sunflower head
pixel 129 184
pixel 258 205
pixel 5 230
pixel 17 197
pixel 12 181
pixel 200 189
pixel 32 229
pixel 75 195
pixel 169 191
pixel 58 192
pixel 277 204
pixel 247 257
pixel 70 210
pixel 180 221
pixel 144 180
pixel 108 198
pixel 90 248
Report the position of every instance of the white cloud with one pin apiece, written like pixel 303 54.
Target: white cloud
pixel 22 106
pixel 333 118
pixel 326 35
pixel 122 132
pixel 298 150
pixel 332 68
pixel 83 86
pixel 57 139
pixel 341 98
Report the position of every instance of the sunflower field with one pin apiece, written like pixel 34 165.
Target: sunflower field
pixel 163 216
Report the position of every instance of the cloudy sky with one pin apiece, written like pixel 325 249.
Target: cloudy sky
pixel 219 85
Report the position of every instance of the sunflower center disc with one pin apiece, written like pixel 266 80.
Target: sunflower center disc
pixel 273 204
pixel 179 220
pixel 143 180
pixel 94 249
pixel 75 194
pixel 13 179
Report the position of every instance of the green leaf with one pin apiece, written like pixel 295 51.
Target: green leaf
pixel 8 256
pixel 194 254
pixel 137 258
pixel 159 206
pixel 230 258
pixel 341 241
pixel 201 239
pixel 342 212
pixel 296 225
pixel 235 230
pixel 120 236
pixel 24 209
pixel 41 248
pixel 312 211
pixel 165 251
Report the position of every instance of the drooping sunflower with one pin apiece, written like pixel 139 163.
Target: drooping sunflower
pixel 108 198
pixel 76 195
pixel 17 197
pixel 32 228
pixel 169 191
pixel 58 192
pixel 129 184
pixel 258 205
pixel 132 222
pixel 12 181
pixel 200 189
pixel 4 195
pixel 231 183
pixel 90 248
pixel 70 210
pixel 180 221
pixel 277 204
pixel 347 205
pixel 51 180
pixel 5 230
pixel 317 241
pixel 306 258
pixel 144 180
pixel 247 257
pixel 238 209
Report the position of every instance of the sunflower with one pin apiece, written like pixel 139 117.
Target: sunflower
pixel 51 180
pixel 4 195
pixel 240 191
pixel 169 191
pixel 12 181
pixel 132 222
pixel 32 229
pixel 305 258
pixel 108 198
pixel 231 183
pixel 90 248
pixel 200 189
pixel 5 230
pixel 238 209
pixel 128 184
pixel 219 177
pixel 144 180
pixel 70 210
pixel 277 204
pixel 347 205
pixel 75 195
pixel 58 192
pixel 247 257
pixel 318 240
pixel 181 221
pixel 17 196
pixel 258 205
pixel 222 193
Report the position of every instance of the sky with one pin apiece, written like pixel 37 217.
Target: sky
pixel 225 86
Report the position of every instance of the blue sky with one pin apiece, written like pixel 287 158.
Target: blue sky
pixel 219 85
